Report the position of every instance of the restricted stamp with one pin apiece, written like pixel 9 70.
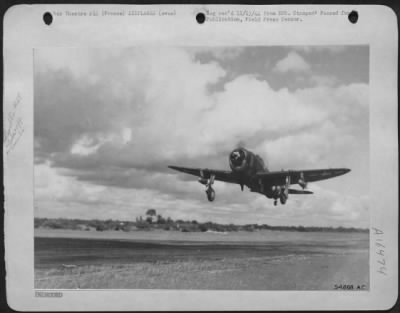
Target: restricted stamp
pixel 48 294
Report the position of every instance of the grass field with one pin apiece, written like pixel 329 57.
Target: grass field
pixel 265 260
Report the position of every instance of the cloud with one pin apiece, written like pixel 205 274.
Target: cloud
pixel 293 62
pixel 323 80
pixel 129 91
pixel 108 122
pixel 218 53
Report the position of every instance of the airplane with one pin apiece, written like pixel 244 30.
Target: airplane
pixel 248 169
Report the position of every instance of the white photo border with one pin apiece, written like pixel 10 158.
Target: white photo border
pixel 24 31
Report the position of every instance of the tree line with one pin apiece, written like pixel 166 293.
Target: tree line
pixel 152 220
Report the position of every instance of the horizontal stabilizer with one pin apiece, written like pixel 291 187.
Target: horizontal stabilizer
pixel 300 192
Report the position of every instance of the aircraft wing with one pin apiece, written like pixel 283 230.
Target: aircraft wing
pixel 225 176
pixel 278 178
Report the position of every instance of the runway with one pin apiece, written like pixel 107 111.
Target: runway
pixel 309 262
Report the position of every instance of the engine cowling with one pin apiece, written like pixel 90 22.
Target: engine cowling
pixel 239 160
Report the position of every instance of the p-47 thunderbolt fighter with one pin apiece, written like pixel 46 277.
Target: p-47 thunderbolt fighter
pixel 248 169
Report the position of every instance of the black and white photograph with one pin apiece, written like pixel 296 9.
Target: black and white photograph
pixel 242 168
pixel 200 157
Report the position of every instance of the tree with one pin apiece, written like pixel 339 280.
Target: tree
pixel 203 228
pixel 160 219
pixel 151 212
pixel 100 227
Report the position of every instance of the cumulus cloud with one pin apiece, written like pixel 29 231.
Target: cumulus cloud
pixel 323 80
pixel 293 62
pixel 219 53
pixel 108 122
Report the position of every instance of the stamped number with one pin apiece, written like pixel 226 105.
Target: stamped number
pixel 349 287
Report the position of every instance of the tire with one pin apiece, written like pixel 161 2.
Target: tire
pixel 210 194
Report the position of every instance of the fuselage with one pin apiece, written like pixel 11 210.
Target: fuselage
pixel 245 164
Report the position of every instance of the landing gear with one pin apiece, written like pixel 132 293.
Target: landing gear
pixel 302 182
pixel 282 198
pixel 276 192
pixel 281 192
pixel 285 194
pixel 210 194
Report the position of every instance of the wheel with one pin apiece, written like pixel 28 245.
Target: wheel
pixel 275 202
pixel 210 194
pixel 283 199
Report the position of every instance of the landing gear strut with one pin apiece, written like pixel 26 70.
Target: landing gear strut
pixel 282 192
pixel 285 194
pixel 210 192
pixel 302 182
pixel 282 198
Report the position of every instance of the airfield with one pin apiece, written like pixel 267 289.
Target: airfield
pixel 262 260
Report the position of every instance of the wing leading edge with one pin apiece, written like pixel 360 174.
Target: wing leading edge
pixel 279 177
pixel 225 176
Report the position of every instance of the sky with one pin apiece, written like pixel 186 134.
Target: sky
pixel 108 122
